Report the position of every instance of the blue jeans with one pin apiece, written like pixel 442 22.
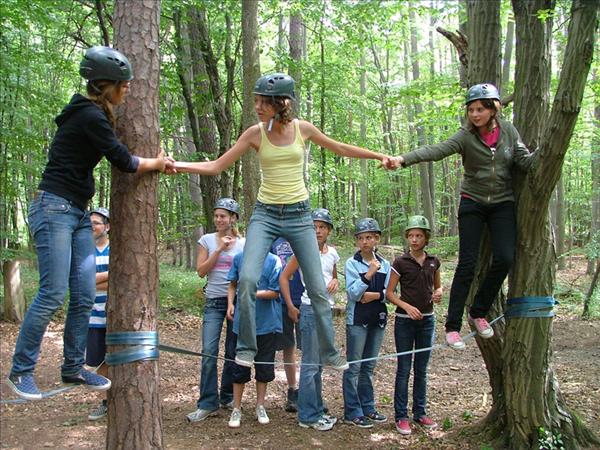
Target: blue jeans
pixel 310 400
pixel 65 251
pixel 294 223
pixel 412 334
pixel 361 342
pixel 215 311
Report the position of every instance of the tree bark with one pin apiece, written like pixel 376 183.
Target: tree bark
pixel 134 409
pixel 14 296
pixel 251 68
pixel 484 36
pixel 595 228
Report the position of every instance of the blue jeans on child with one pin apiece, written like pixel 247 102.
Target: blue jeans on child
pixel 294 223
pixel 215 311
pixel 362 341
pixel 412 334
pixel 65 251
pixel 310 401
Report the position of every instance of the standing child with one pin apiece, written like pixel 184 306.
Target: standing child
pixel 420 287
pixel 366 318
pixel 215 257
pixel 290 339
pixel 282 208
pixel 96 345
pixel 268 327
pixel 311 412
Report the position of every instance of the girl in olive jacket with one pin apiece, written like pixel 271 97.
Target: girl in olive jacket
pixel 489 147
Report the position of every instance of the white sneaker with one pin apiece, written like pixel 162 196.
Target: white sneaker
pixel 199 415
pixel 261 415
pixel 321 425
pixel 236 418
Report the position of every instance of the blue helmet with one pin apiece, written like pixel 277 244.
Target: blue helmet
pixel 482 91
pixel 322 215
pixel 102 212
pixel 365 225
pixel 228 204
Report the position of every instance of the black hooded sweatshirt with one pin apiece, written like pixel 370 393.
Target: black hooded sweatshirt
pixel 83 137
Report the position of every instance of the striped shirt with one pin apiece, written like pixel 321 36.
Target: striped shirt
pixel 98 316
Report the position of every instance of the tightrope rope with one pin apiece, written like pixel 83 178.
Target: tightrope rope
pixel 147 346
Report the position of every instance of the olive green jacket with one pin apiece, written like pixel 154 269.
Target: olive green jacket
pixel 487 171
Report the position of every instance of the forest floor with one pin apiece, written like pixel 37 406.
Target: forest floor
pixel 459 395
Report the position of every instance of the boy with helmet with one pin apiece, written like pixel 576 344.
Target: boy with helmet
pixel 311 409
pixel 96 338
pixel 60 223
pixel 282 209
pixel 215 258
pixel 490 147
pixel 420 287
pixel 366 318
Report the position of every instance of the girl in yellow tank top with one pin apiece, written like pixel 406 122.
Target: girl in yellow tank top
pixel 282 208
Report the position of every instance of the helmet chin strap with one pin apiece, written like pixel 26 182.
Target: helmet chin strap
pixel 95 88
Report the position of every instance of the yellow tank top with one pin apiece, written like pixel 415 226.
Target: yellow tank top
pixel 282 170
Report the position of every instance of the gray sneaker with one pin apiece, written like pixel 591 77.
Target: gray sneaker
pixel 338 362
pixel 320 425
pixel 200 414
pixel 99 412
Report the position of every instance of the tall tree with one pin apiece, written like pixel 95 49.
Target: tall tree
pixel 251 69
pixel 134 411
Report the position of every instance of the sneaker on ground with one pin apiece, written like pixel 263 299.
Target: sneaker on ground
pixel 88 379
pixel 360 422
pixel 338 363
pixel 292 400
pixel 200 414
pixel 426 422
pixel 24 386
pixel 320 425
pixel 376 417
pixel 235 419
pixel 454 340
pixel 331 419
pixel 244 362
pixel 98 412
pixel 261 415
pixel 228 406
pixel 482 326
pixel 403 427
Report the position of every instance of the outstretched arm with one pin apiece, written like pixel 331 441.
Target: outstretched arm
pixel 309 131
pixel 250 138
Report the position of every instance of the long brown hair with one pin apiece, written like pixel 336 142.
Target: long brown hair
pixel 488 103
pixel 283 108
pixel 100 92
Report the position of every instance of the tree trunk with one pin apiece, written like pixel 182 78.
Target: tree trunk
pixel 484 54
pixel 251 67
pixel 560 223
pixel 595 228
pixel 296 48
pixel 134 409
pixel 508 48
pixel 363 187
pixel 533 398
pixel 14 296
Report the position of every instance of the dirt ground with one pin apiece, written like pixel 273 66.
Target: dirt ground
pixel 459 395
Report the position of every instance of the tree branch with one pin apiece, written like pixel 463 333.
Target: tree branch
pixel 460 42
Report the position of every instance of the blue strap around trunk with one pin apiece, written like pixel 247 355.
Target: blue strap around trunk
pixel 530 307
pixel 144 346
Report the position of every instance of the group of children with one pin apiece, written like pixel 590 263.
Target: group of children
pixel 284 306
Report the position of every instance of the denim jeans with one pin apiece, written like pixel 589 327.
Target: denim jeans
pixel 310 400
pixel 65 251
pixel 294 223
pixel 472 219
pixel 412 334
pixel 215 311
pixel 362 341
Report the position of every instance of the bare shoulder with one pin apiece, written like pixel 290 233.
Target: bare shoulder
pixel 307 129
pixel 252 136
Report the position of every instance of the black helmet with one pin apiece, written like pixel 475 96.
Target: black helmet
pixel 102 212
pixel 105 63
pixel 481 91
pixel 365 225
pixel 228 204
pixel 322 215
pixel 275 85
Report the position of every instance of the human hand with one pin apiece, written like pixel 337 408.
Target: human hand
pixel 374 265
pixel 226 243
pixel 413 312
pixel 333 286
pixel 230 311
pixel 170 165
pixel 436 297
pixel 294 314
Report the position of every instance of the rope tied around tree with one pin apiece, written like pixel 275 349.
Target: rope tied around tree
pixel 530 307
